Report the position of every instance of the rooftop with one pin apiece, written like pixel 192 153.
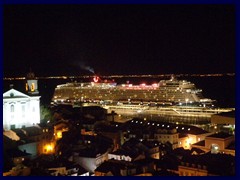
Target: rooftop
pixel 17 153
pixel 200 143
pixel 92 152
pixel 114 166
pixel 220 135
pixel 213 163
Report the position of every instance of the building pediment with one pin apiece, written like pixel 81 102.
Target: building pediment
pixel 12 93
pixel 20 110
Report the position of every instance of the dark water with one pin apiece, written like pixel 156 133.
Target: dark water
pixel 220 88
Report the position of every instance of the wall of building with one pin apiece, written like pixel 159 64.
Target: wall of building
pixel 154 152
pixel 163 138
pixel 119 157
pixel 90 163
pixel 209 141
pixel 218 119
pixel 58 170
pixel 191 171
pixel 117 138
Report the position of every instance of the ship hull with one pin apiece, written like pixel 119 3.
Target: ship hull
pixel 171 110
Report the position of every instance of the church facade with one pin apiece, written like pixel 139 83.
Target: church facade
pixel 20 110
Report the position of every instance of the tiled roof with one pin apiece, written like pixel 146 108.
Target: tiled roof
pixel 200 143
pixel 32 131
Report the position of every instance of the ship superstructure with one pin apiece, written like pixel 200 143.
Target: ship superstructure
pixel 172 92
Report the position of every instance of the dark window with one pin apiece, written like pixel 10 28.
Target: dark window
pixel 12 108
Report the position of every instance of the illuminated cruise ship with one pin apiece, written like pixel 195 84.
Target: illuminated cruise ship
pixel 166 92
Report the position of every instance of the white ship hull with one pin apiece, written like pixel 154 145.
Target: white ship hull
pixel 171 110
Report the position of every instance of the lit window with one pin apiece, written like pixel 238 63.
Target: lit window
pixel 26 87
pixel 48 148
pixel 59 134
pixel 32 87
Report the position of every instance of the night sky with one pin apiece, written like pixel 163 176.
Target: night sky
pixel 118 39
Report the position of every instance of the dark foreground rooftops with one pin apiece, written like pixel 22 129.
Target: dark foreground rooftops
pixel 221 135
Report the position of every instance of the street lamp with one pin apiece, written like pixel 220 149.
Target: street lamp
pixel 186 101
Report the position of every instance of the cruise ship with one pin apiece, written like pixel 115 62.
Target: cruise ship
pixel 166 92
pixel 168 97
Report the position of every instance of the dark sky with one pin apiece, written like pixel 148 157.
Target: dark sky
pixel 118 39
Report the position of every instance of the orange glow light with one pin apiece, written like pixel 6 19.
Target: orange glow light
pixel 49 148
pixel 32 87
pixel 59 134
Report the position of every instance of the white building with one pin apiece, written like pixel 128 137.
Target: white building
pixel 89 162
pixel 20 110
pixel 169 134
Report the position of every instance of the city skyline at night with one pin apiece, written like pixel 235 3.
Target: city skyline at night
pixel 118 39
pixel 119 89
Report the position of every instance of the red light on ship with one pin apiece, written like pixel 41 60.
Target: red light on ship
pixel 96 79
